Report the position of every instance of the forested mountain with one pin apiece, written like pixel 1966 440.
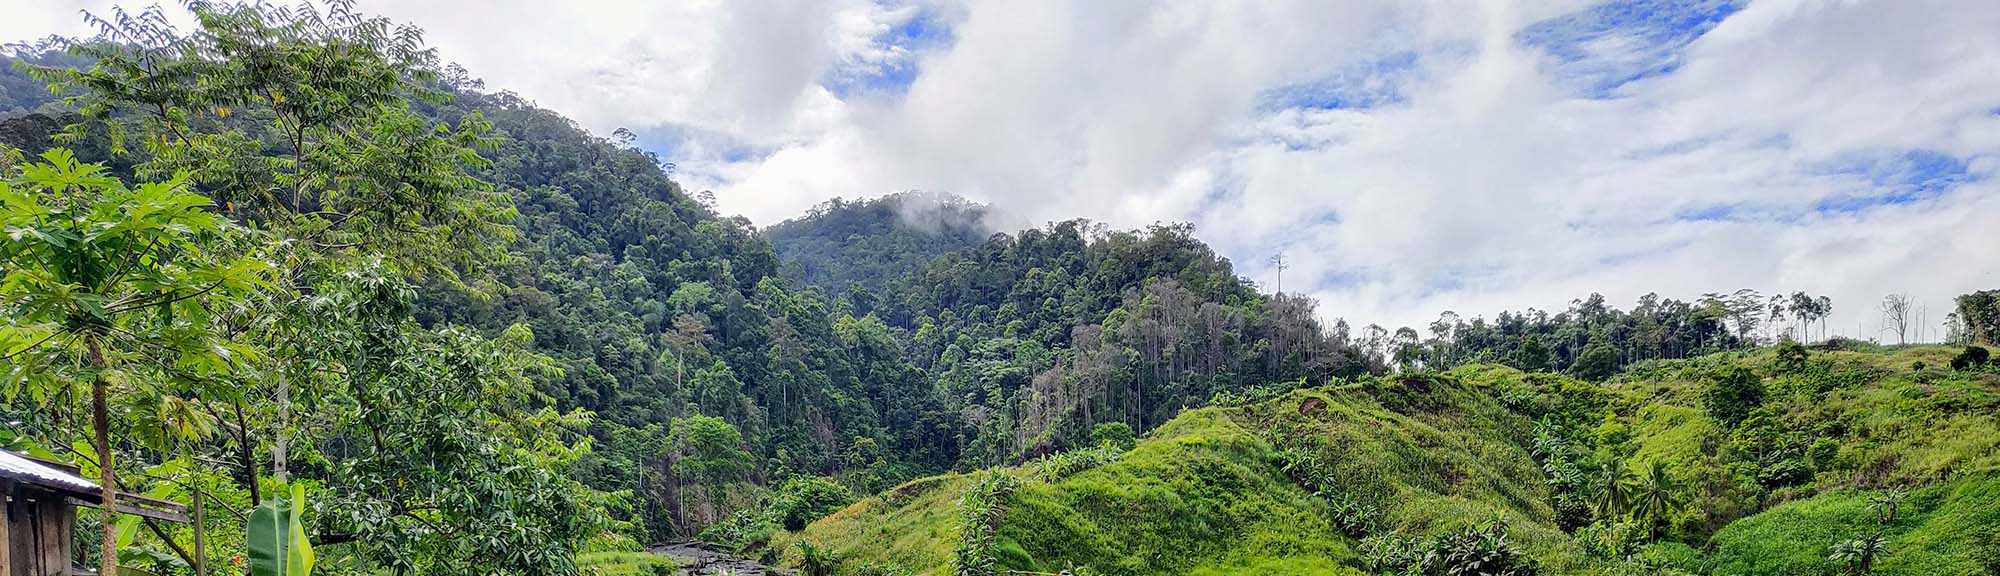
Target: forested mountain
pixel 669 323
pixel 287 259
pixel 870 242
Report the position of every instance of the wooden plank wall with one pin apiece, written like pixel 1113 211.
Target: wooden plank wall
pixel 38 534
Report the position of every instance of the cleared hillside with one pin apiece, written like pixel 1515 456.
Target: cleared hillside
pixel 1273 485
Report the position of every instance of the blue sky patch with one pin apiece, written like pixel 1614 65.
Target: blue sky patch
pixel 676 143
pixel 1367 85
pixel 1607 46
pixel 907 41
pixel 1712 213
pixel 1899 178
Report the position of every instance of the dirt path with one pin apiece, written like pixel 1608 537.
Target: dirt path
pixel 696 559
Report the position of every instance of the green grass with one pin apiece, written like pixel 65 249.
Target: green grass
pixel 1201 494
pixel 1206 494
pixel 625 564
pixel 912 526
pixel 1931 535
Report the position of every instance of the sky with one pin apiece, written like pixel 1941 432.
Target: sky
pixel 1407 157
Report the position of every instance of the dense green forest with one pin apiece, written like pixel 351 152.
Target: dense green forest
pixel 840 244
pixel 288 260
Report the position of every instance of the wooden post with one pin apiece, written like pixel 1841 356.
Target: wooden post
pixel 54 520
pixel 200 535
pixel 6 535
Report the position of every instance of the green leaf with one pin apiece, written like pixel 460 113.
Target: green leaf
pixel 299 559
pixel 266 548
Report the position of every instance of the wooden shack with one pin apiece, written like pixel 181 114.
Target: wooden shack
pixel 41 501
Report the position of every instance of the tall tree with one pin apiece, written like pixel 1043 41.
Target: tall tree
pixel 1979 314
pixel 1656 499
pixel 107 284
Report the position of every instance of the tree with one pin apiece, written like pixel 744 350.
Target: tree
pixel 1979 313
pixel 106 285
pixel 1896 316
pixel 1532 356
pixel 1858 556
pixel 1744 307
pixel 1805 309
pixel 297 121
pixel 707 452
pixel 1733 394
pixel 343 162
pixel 1615 485
pixel 803 499
pixel 1597 362
pixel 1409 355
pixel 1657 498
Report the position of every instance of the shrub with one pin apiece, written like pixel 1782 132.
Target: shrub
pixel 1476 552
pixel 1113 433
pixel 979 513
pixel 1612 432
pixel 1610 540
pixel 803 499
pixel 1597 362
pixel 1471 551
pixel 1791 357
pixel 1733 394
pixel 817 561
pixel 740 531
pixel 1973 358
pixel 1858 556
pixel 1986 550
pixel 1055 467
pixel 1390 554
pixel 1354 517
pixel 1824 453
pixel 1662 556
pixel 1787 472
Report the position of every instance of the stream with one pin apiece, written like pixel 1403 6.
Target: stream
pixel 697 559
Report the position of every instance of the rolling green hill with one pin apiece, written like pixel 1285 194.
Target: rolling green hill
pixel 1271 485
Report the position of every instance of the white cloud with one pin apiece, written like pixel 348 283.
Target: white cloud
pixel 1502 160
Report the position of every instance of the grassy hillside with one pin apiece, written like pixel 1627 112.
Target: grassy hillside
pixel 1213 491
pixel 1337 479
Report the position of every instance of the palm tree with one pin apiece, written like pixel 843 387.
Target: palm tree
pixel 1614 490
pixel 1657 497
pixel 1859 555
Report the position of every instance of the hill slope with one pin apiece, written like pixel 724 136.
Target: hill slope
pixel 1272 486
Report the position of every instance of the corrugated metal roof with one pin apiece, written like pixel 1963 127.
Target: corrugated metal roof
pixel 20 468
